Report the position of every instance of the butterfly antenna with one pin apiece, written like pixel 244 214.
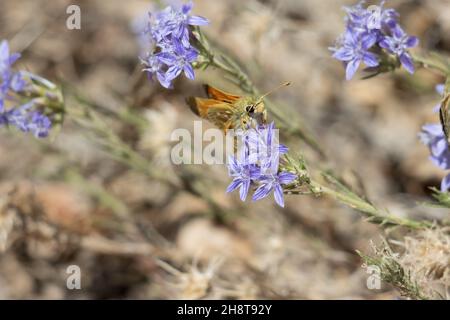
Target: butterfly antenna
pixel 285 84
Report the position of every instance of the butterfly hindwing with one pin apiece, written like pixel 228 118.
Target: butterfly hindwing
pixel 217 112
pixel 221 115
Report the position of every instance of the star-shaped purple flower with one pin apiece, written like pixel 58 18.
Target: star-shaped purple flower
pixel 398 44
pixel 180 60
pixel 171 52
pixel 243 173
pixel 367 30
pixel 274 183
pixel 354 49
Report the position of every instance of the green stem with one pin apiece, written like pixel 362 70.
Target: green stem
pixel 436 63
pixel 374 214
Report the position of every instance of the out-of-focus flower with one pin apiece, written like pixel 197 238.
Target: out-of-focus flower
pixel 433 137
pixel 9 79
pixel 154 69
pixel 179 60
pixel 354 50
pixel 258 164
pixel 170 50
pixel 378 17
pixel 368 31
pixel 39 125
pixel 398 44
pixel 25 117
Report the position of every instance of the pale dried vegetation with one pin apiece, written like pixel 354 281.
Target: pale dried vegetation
pixel 66 202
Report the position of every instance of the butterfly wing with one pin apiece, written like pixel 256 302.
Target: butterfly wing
pixel 216 94
pixel 218 112
pixel 445 116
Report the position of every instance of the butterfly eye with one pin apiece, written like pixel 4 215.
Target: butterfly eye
pixel 250 109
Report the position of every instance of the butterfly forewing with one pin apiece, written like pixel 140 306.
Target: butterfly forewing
pixel 220 95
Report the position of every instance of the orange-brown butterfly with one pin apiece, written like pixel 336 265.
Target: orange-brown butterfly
pixel 230 111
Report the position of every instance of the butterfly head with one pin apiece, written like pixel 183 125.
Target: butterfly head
pixel 253 112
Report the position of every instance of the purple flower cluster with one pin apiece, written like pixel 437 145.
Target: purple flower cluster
pixel 171 51
pixel 369 30
pixel 258 164
pixel 24 117
pixel 433 136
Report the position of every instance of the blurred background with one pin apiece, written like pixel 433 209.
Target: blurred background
pixel 65 201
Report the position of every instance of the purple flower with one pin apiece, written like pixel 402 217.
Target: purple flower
pixel 23 117
pixel 378 17
pixel 27 120
pixel 178 61
pixel 264 147
pixel 433 136
pixel 39 125
pixel 367 30
pixel 155 69
pixel 9 80
pixel 6 59
pixel 176 21
pixel 243 173
pixel 398 44
pixel 274 183
pixel 258 164
pixel 354 49
pixel 171 52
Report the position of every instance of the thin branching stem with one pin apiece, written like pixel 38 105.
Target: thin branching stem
pixel 432 62
pixel 374 214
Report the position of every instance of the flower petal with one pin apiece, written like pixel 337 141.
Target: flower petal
pixel 236 183
pixel 343 54
pixel 445 184
pixel 187 7
pixel 412 42
pixel 189 72
pixel 197 21
pixel 351 69
pixel 278 195
pixel 166 58
pixel 244 189
pixel 173 72
pixel 370 59
pixel 4 50
pixel 407 62
pixel 286 177
pixel 166 83
pixel 368 40
pixel 262 192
